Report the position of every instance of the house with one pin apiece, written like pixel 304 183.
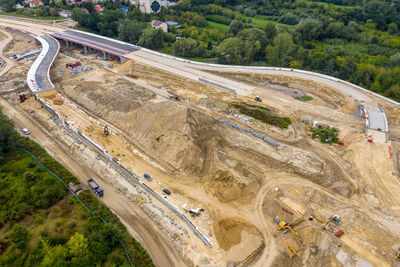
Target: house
pixel 167 4
pixel 64 13
pixel 159 25
pixel 173 23
pixel 150 6
pixel 98 8
pixel 36 3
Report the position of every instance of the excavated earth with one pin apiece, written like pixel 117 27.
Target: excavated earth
pixel 241 181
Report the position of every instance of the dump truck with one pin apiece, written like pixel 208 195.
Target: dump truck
pixel 96 188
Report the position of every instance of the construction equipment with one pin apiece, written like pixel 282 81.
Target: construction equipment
pixel 258 99
pixel 106 131
pixel 397 257
pixel 285 226
pixel 337 219
pixel 73 65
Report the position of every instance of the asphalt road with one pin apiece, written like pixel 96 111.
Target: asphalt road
pixel 97 42
pixel 41 76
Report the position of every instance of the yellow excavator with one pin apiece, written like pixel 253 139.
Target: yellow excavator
pixel 397 257
pixel 284 225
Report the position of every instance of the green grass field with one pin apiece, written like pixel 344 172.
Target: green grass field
pixel 218 26
pixel 304 98
pixel 261 22
pixel 327 4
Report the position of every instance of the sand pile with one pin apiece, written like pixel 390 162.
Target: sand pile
pixel 228 232
pixel 225 186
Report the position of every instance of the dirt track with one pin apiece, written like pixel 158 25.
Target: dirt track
pixel 241 182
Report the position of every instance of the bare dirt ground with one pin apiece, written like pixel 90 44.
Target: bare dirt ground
pixel 241 182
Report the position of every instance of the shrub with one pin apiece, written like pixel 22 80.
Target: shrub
pixel 325 135
pixel 262 114
pixel 20 237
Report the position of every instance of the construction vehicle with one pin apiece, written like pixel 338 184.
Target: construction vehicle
pixel 73 65
pixel 106 131
pixel 397 257
pixel 286 226
pixel 258 99
pixel 337 219
pixel 96 188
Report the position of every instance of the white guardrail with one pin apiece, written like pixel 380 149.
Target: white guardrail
pixel 247 67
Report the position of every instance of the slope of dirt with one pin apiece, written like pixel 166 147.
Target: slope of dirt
pixel 225 186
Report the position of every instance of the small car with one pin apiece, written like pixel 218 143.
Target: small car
pixel 148 177
pixel 26 131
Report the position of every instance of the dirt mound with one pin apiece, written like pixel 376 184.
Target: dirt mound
pixel 225 186
pixel 228 232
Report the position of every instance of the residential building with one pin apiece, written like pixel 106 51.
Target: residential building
pixel 159 25
pixel 173 23
pixel 150 6
pixel 34 3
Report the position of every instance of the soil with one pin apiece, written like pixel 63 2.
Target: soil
pixel 241 182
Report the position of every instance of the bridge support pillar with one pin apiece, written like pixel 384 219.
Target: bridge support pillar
pixel 66 44
pixel 85 47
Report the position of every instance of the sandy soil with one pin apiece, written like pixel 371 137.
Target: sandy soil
pixel 241 182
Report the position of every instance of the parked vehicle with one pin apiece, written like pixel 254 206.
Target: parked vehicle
pixel 26 131
pixel 166 191
pixel 96 188
pixel 148 177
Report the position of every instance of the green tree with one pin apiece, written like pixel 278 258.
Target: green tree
pixel 289 18
pixel 394 60
pixel 53 255
pixel 130 31
pixel 53 12
pixel 7 138
pixel 310 29
pixel 20 237
pixel 77 245
pixel 237 51
pixel 270 32
pixel 152 38
pixel 392 28
pixel 235 27
pixel 185 47
pixel 8 5
pixel 282 50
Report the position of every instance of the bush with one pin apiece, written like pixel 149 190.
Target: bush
pixel 219 19
pixel 20 237
pixel 325 135
pixel 262 114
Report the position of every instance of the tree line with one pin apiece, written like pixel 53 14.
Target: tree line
pixel 353 40
pixel 42 225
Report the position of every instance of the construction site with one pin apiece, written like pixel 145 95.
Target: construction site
pixel 259 194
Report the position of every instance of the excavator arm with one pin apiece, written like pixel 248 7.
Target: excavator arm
pixel 295 233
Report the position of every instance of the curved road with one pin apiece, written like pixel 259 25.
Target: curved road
pixel 7 63
pixel 196 71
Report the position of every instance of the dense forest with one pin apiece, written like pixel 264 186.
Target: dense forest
pixel 355 40
pixel 41 224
